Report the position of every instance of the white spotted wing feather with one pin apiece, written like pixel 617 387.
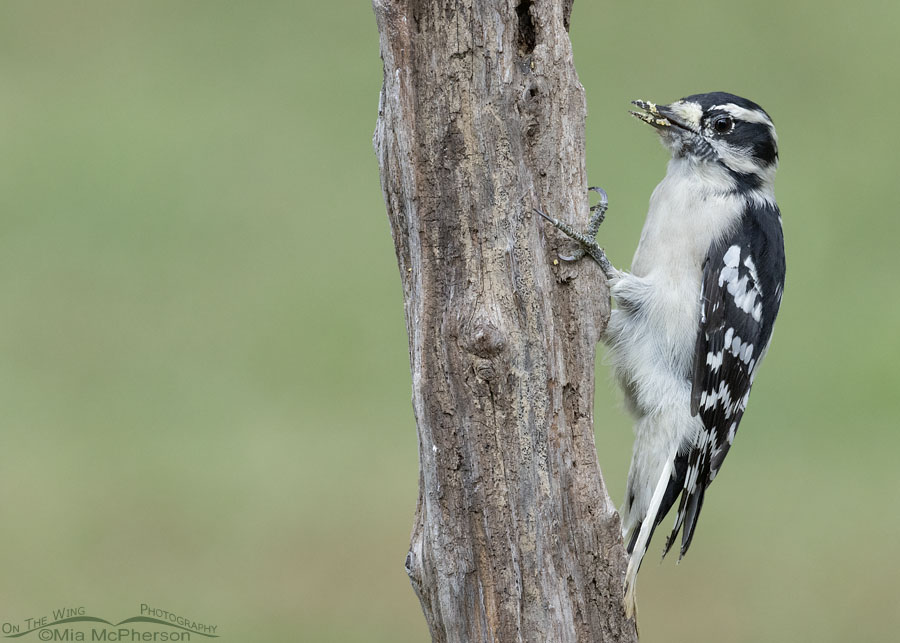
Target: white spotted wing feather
pixel 743 277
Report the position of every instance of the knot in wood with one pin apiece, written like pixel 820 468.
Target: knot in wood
pixel 484 368
pixel 535 89
pixel 485 339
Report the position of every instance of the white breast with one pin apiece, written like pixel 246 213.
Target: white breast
pixel 652 342
pixel 690 208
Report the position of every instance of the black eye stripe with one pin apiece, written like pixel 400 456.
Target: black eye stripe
pixel 747 133
pixel 757 137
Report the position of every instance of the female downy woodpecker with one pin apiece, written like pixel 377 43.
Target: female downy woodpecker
pixel 694 317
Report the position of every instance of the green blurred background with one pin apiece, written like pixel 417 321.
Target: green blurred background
pixel 203 363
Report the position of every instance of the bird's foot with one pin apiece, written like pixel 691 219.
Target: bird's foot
pixel 587 242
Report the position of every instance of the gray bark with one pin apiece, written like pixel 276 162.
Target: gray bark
pixel 481 118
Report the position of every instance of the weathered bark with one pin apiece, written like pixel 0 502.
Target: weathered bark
pixel 481 118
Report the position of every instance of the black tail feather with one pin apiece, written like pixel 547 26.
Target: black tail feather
pixel 688 508
pixel 690 521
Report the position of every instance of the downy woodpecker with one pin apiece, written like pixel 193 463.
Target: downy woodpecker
pixel 694 317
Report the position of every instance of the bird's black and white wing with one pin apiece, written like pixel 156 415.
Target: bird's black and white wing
pixel 743 279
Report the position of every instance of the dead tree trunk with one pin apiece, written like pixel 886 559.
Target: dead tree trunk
pixel 481 118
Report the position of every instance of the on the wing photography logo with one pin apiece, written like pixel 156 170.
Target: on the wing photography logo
pixel 75 624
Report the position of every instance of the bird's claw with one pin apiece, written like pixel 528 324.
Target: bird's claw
pixel 598 210
pixel 575 256
pixel 587 244
pixel 579 251
pixel 604 199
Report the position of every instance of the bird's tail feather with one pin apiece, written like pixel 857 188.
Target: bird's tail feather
pixel 641 541
pixel 689 507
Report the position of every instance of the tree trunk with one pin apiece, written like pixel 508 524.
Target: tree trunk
pixel 481 118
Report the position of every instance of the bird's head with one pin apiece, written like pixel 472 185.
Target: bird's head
pixel 718 128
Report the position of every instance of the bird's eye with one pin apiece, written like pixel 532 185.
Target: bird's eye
pixel 723 124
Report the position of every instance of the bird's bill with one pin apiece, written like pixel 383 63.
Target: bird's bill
pixel 679 114
pixel 651 114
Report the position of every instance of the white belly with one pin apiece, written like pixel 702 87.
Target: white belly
pixel 652 333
